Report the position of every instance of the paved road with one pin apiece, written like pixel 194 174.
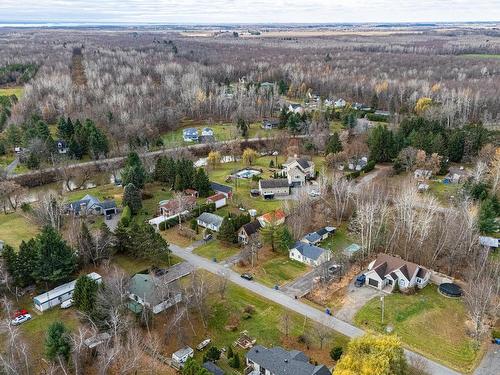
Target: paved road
pixel 10 168
pixel 294 305
pixel 300 286
pixel 490 361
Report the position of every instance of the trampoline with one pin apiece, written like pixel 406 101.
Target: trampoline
pixel 450 290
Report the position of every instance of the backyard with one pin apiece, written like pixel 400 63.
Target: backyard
pixel 428 323
pixel 14 228
pixel 443 192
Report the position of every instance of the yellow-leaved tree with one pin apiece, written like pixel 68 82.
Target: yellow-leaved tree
pixel 422 105
pixel 214 159
pixel 373 355
pixel 249 156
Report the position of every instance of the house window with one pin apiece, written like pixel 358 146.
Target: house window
pixel 419 280
pixel 402 283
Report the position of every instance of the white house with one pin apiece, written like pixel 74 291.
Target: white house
pixel 182 355
pixel 296 108
pixel 219 199
pixel 274 187
pixel 386 271
pixel 298 170
pixel 309 254
pixel 209 221
pixel 59 294
pixel 340 103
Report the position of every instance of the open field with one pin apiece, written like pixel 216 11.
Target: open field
pixel 7 91
pixel 15 228
pixel 216 249
pixel 428 323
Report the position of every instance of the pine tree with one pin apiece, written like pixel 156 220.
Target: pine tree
pixel 122 244
pixel 10 257
pixel 227 231
pixel 85 293
pixel 134 172
pixel 242 127
pixel 456 145
pixel 132 198
pixel 235 361
pixel 334 144
pixel 381 144
pixel 488 213
pixel 212 354
pixel 26 263
pixel 202 183
pixel 56 261
pixel 57 342
pixel 285 239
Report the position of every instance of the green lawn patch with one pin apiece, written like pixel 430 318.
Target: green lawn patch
pixel 443 192
pixel 17 91
pixel 107 191
pixel 279 271
pixel 132 265
pixel 339 241
pixel 215 249
pixel 15 228
pixel 427 323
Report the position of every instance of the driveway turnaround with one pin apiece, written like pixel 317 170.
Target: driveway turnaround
pixel 296 306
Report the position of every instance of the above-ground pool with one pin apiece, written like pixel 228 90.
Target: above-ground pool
pixel 247 173
pixel 450 290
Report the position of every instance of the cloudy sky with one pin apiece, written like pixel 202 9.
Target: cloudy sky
pixel 247 11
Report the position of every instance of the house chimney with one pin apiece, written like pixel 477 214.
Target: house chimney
pixel 286 360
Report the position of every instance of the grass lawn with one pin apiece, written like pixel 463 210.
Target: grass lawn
pixel 17 91
pixel 15 228
pixel 426 322
pixel 279 271
pixel 172 235
pixel 264 324
pixel 216 249
pixel 108 191
pixel 132 265
pixel 339 241
pixel 443 192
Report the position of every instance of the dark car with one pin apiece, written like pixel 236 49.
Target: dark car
pixel 360 280
pixel 247 276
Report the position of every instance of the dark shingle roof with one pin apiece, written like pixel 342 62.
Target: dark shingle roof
pixel 107 204
pixel 281 362
pixel 219 187
pixel 213 368
pixel 313 237
pixel 274 183
pixel 304 163
pixel 309 251
pixel 252 227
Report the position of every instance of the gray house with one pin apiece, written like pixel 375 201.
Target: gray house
pixel 274 187
pixel 90 205
pixel 278 361
pixel 209 221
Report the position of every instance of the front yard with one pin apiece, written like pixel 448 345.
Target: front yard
pixel 427 323
pixel 217 250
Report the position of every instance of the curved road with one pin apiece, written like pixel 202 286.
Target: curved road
pixel 295 305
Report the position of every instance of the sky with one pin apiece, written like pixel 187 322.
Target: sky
pixel 247 11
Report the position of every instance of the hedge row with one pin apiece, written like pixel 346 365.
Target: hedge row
pixel 378 118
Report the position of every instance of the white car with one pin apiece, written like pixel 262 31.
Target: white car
pixel 314 193
pixel 20 319
pixel 67 304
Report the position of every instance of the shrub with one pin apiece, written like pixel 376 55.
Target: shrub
pixel 375 117
pixel 126 216
pixel 230 353
pixel 369 166
pixel 194 225
pixel 249 309
pixel 336 352
pixel 235 361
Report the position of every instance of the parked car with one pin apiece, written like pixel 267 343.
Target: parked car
pixel 20 312
pixel 20 319
pixel 314 193
pixel 247 276
pixel 207 237
pixel 360 280
pixel 67 304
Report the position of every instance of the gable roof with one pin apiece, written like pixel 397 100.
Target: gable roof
pixel 488 241
pixel 313 237
pixel 210 218
pixel 282 362
pixel 309 251
pixel 108 203
pixel 386 264
pixel 251 228
pixel 219 187
pixel 216 197
pixel 274 183
pixel 173 204
pixel 277 215
pixel 302 162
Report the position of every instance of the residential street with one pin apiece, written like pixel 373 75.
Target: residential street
pixel 294 305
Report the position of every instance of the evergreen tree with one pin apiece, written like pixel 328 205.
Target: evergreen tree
pixel 122 244
pixel 334 145
pixel 284 114
pixel 26 263
pixel 269 235
pixel 488 213
pixel 202 183
pixel 456 145
pixel 98 143
pixel 381 144
pixel 146 243
pixel 227 231
pixel 282 87
pixel 212 354
pixel 10 257
pixel 242 127
pixel 61 128
pixel 285 239
pixel 56 261
pixel 235 361
pixel 33 161
pixel 132 198
pixel 85 294
pixel 57 342
pixel 191 367
pixel 75 149
pixel 134 172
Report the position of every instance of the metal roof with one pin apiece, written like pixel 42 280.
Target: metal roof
pixel 309 251
pixel 210 218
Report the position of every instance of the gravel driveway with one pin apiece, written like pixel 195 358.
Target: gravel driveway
pixel 355 299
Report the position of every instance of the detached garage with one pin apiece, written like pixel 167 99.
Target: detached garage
pixel 373 282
